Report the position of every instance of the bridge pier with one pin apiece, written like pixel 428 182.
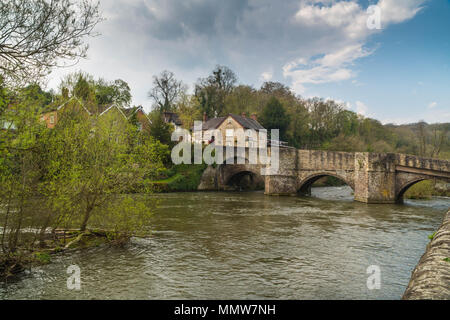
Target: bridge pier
pixel 375 178
pixel 278 185
pixel 284 182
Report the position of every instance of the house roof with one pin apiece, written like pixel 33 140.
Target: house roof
pixel 246 123
pixel 129 112
pixel 107 108
pixel 172 117
pixel 58 108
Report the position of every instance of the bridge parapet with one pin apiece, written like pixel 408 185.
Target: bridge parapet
pixel 411 161
pixel 325 160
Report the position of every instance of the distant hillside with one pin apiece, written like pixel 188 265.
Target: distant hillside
pixel 428 140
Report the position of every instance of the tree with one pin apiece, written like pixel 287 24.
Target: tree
pixel 345 143
pixel 212 91
pixel 276 89
pixel 92 164
pixel 166 90
pixel 22 159
pixel 117 91
pixel 274 117
pixel 159 129
pixel 188 110
pixel 223 78
pixel 298 132
pixel 242 99
pixel 39 35
pixel 323 116
pixel 439 140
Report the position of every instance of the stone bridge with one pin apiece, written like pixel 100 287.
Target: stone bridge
pixel 374 177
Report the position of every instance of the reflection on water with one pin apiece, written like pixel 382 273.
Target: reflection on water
pixel 251 246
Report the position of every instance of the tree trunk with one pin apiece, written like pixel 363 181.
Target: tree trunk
pixel 87 215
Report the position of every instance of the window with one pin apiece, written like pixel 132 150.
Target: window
pixel 230 137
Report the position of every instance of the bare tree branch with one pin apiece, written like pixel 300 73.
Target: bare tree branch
pixel 38 35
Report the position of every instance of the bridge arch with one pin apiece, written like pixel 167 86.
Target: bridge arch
pixel 305 183
pixel 243 176
pixel 403 188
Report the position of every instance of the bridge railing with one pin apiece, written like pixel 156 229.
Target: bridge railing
pixel 412 161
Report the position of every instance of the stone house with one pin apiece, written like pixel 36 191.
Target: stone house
pixel 228 126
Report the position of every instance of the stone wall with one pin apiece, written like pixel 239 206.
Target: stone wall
pixel 422 163
pixel 430 280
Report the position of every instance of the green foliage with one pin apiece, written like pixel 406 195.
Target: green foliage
pixel 187 177
pixel 180 178
pixel 124 218
pixel 422 190
pixel 274 117
pixel 159 129
pixel 96 94
pixel 42 257
pixel 188 110
pixel 211 92
pixel 63 177
pixel 117 91
pixel 431 236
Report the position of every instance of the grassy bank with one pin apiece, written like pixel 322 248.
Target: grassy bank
pixel 179 178
pixel 426 190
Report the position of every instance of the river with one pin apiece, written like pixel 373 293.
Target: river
pixel 250 246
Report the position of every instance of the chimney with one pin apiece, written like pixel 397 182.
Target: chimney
pixel 244 114
pixel 254 117
pixel 205 117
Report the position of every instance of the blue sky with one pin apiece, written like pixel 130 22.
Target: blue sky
pixel 407 78
pixel 400 73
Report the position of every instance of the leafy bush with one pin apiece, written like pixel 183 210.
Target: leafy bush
pixel 188 177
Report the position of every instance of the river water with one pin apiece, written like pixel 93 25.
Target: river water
pixel 251 246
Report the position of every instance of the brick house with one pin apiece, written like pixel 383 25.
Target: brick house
pixel 52 115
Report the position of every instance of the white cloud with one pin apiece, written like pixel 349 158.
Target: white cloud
pixel 344 25
pixel 432 105
pixel 266 76
pixel 395 11
pixel 362 109
pixel 307 42
pixel 332 67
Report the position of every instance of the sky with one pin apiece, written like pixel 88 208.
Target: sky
pixel 384 59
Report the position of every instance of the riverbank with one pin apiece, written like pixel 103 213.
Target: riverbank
pixel 180 178
pixel 430 280
pixel 427 189
pixel 55 242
